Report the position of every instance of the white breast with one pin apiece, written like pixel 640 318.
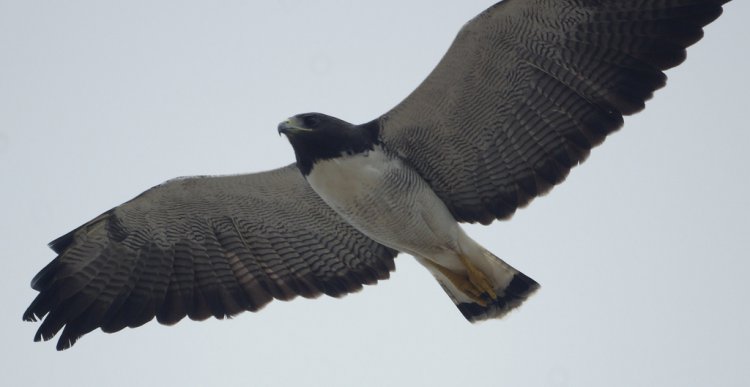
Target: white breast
pixel 344 178
pixel 385 200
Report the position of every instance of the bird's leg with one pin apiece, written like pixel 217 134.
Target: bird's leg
pixel 478 278
pixel 464 282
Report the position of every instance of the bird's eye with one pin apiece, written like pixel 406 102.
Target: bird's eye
pixel 311 121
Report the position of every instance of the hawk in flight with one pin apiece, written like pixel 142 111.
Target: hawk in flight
pixel 525 91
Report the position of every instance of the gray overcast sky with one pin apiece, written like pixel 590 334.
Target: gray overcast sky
pixel 642 253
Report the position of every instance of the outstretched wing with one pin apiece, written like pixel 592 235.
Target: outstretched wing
pixel 202 246
pixel 529 87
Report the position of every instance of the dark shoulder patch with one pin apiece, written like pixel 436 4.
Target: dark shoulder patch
pixel 373 129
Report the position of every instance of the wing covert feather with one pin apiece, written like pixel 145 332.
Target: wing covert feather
pixel 201 247
pixel 528 87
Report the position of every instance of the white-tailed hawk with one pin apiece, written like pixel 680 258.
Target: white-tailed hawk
pixel 527 88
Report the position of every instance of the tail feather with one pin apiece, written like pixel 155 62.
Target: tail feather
pixel 511 286
pixel 514 294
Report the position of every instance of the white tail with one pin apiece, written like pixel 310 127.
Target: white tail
pixel 511 287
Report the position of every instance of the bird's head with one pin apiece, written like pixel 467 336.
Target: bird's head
pixel 316 136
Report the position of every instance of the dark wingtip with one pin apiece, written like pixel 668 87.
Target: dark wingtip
pixel 60 244
pixel 42 279
pixel 66 341
pixel 30 314
pixel 63 242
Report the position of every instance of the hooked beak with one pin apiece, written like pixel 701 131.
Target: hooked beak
pixel 292 126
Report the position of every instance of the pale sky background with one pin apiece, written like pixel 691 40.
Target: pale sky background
pixel 642 253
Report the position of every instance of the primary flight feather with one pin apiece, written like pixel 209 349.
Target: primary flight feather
pixel 527 88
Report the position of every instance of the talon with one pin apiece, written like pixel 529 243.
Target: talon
pixel 465 284
pixel 474 283
pixel 478 279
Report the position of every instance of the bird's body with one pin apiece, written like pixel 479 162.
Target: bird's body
pixel 387 200
pixel 524 93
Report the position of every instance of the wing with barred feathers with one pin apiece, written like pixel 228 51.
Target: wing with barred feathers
pixel 528 87
pixel 201 247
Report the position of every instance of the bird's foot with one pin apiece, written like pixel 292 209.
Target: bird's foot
pixel 478 279
pixel 473 283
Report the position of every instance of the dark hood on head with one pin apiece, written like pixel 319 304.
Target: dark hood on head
pixel 316 136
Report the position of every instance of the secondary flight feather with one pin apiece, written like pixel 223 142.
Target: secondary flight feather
pixel 523 94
